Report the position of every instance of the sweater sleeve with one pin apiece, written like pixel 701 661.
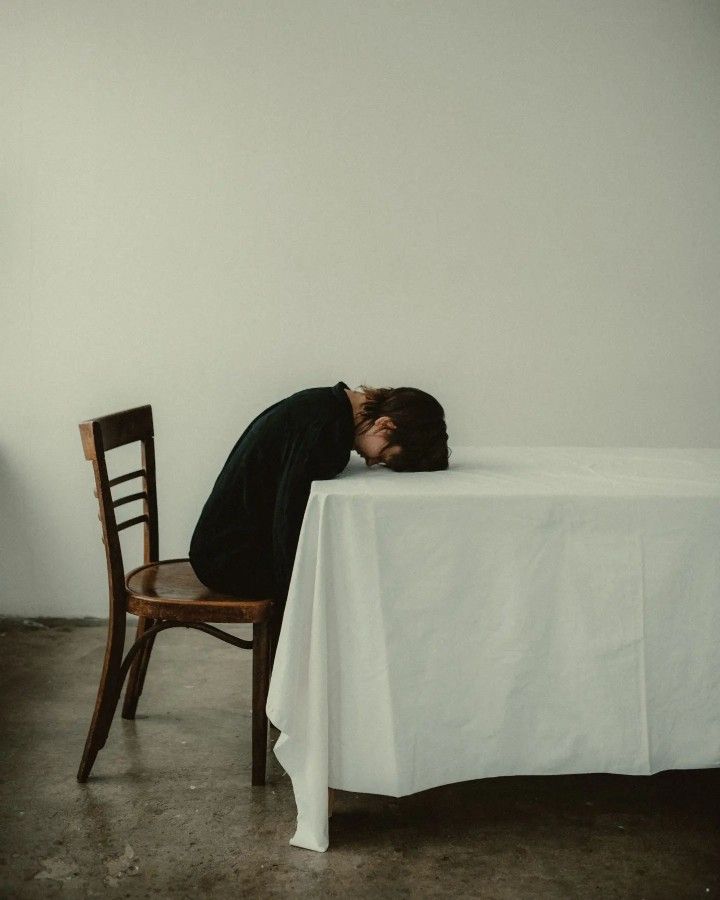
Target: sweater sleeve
pixel 292 495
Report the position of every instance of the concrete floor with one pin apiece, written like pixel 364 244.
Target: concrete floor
pixel 169 810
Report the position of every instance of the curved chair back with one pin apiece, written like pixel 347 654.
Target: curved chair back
pixel 106 433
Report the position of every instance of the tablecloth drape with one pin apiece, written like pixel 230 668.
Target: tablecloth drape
pixel 528 611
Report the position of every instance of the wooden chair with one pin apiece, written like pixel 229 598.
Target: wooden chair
pixel 162 594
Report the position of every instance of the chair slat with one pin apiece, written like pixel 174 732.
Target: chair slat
pixel 136 521
pixel 121 478
pixel 129 499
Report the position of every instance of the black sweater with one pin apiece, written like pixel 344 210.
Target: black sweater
pixel 245 540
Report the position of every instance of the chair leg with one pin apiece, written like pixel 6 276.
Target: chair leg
pixel 107 696
pixel 136 676
pixel 146 656
pixel 261 680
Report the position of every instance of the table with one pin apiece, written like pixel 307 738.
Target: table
pixel 530 610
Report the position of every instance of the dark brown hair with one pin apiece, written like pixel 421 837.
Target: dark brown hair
pixel 420 429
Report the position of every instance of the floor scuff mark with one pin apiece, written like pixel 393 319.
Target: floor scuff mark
pixel 121 866
pixel 58 868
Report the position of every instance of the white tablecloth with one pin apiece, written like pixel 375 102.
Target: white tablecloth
pixel 528 611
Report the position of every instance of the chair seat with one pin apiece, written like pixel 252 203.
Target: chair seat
pixel 170 589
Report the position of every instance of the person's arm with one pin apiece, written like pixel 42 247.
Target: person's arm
pixel 309 455
pixel 292 496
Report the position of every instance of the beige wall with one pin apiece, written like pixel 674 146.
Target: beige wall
pixel 209 205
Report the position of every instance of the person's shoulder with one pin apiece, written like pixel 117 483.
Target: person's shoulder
pixel 308 403
pixel 312 395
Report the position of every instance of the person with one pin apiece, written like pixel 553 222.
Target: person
pixel 246 537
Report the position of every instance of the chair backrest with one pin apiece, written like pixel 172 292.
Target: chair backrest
pixel 106 433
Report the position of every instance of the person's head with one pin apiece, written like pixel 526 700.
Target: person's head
pixel 402 428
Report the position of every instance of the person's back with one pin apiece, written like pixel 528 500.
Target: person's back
pixel 246 537
pixel 251 521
